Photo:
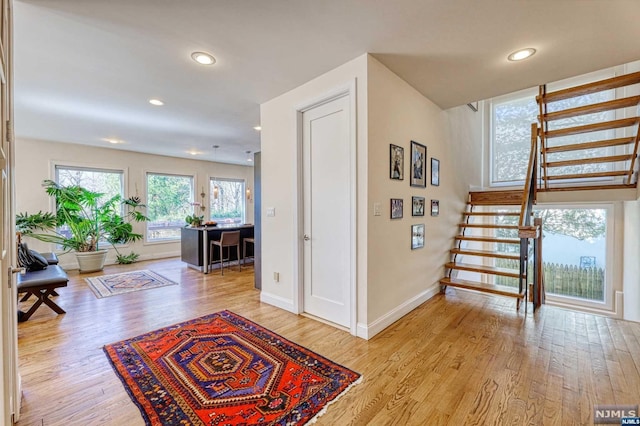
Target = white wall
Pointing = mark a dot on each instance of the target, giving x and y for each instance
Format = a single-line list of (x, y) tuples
[(35, 161), (279, 140), (392, 279), (631, 265)]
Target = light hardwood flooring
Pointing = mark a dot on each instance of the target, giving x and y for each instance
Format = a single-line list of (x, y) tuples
[(461, 358)]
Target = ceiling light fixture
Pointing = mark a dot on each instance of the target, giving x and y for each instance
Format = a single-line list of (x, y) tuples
[(113, 141), (521, 54), (258, 128), (203, 58), (156, 102)]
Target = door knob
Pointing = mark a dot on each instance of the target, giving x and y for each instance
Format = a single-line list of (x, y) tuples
[(306, 237)]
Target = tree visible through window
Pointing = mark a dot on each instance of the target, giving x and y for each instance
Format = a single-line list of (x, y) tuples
[(227, 200), (169, 201)]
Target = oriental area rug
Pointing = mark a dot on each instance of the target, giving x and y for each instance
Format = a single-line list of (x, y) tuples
[(222, 369), (111, 285)]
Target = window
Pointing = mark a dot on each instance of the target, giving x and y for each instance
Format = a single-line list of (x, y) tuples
[(574, 252), (227, 200), (169, 201), (511, 119), (108, 182)]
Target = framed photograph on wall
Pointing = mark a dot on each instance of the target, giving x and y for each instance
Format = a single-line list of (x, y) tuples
[(417, 206), (435, 207), (396, 162), (417, 236), (435, 172), (418, 165), (396, 208)]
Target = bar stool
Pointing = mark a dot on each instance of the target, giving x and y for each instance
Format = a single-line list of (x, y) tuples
[(244, 249), (227, 240)]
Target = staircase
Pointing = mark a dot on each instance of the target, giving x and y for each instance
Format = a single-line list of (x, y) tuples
[(586, 142), (488, 234), (586, 138)]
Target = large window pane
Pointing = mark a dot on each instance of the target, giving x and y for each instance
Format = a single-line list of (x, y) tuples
[(574, 252), (169, 201), (511, 119), (107, 182), (227, 200)]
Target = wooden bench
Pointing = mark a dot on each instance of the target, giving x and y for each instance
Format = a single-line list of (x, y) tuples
[(42, 284)]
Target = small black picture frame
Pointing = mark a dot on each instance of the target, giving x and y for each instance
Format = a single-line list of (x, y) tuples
[(417, 236), (435, 207), (435, 172), (396, 208), (417, 206), (418, 165), (396, 162)]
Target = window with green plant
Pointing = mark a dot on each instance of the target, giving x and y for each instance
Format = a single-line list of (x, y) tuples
[(169, 201), (227, 200)]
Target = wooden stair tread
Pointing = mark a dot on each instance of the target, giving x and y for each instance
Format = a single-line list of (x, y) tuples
[(593, 160), (590, 145), (486, 226), (483, 269), (486, 253), (489, 239), (495, 198), (492, 213), (604, 125), (478, 286), (591, 109), (589, 187), (597, 86), (588, 175)]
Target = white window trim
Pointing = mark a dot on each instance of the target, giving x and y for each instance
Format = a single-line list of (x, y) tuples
[(147, 241), (606, 306), (244, 198)]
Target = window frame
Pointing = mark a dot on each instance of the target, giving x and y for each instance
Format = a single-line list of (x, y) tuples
[(147, 173), (243, 219), (608, 304)]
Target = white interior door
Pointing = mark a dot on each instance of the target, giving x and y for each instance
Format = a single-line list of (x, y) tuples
[(326, 204), (10, 389)]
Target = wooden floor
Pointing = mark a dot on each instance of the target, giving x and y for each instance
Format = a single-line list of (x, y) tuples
[(461, 358)]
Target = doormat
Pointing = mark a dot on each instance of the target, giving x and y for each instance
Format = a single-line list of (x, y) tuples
[(222, 369), (126, 282)]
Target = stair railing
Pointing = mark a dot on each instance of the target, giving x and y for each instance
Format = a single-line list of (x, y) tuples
[(527, 230)]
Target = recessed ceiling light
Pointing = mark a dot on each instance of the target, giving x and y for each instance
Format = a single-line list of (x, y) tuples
[(203, 58), (156, 102), (113, 141), (258, 128), (521, 54)]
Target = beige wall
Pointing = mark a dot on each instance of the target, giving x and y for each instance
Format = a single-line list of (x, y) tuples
[(392, 279), (399, 279), (35, 161)]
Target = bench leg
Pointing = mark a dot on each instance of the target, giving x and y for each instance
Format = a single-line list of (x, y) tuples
[(43, 297)]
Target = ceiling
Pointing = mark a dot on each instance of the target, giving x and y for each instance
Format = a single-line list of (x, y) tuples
[(85, 69)]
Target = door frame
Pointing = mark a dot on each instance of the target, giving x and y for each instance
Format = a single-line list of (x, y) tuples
[(349, 90)]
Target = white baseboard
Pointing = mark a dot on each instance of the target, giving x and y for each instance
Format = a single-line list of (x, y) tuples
[(70, 264), (367, 331), (277, 301)]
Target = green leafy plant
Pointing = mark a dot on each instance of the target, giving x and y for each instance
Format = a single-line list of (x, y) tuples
[(82, 221), (125, 259), (194, 220)]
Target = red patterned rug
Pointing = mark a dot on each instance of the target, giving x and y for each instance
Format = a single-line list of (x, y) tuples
[(223, 369)]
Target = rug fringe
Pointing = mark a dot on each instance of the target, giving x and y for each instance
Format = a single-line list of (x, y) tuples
[(324, 409)]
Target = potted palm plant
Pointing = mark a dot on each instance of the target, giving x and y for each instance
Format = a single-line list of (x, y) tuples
[(83, 222)]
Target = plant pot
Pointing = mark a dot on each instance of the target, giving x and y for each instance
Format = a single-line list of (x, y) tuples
[(91, 261)]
